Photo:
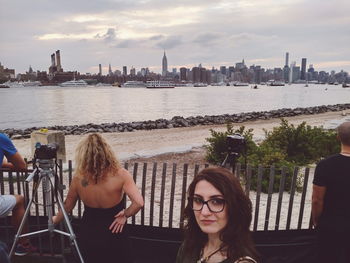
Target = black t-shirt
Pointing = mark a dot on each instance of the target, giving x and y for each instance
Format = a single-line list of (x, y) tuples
[(334, 174)]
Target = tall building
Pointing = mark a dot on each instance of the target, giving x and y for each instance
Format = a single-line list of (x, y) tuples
[(303, 69), (110, 72), (100, 69), (58, 60), (287, 59), (164, 65), (183, 73), (125, 71)]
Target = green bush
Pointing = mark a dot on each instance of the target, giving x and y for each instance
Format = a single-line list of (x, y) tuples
[(285, 146)]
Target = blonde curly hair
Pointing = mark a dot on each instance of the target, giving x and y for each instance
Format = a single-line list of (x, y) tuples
[(95, 158)]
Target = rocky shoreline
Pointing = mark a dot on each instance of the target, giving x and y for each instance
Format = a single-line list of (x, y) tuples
[(179, 121)]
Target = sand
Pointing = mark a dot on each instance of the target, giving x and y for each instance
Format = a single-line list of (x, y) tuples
[(185, 145)]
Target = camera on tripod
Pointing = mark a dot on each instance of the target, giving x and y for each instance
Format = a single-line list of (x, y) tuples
[(235, 143), (45, 151)]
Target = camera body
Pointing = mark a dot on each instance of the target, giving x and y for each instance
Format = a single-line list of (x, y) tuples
[(45, 151), (235, 143)]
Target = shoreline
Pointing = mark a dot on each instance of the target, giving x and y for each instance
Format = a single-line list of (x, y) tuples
[(143, 144), (179, 121)]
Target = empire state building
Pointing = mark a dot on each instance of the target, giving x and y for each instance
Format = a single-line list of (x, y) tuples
[(164, 65)]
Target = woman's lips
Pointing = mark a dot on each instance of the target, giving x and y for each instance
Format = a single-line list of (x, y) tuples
[(207, 222)]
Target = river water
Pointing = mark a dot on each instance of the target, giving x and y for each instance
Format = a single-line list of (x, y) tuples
[(46, 106)]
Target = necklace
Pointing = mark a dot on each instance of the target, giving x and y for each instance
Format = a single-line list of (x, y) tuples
[(205, 259)]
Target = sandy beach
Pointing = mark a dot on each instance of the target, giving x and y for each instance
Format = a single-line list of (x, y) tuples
[(146, 144), (185, 145)]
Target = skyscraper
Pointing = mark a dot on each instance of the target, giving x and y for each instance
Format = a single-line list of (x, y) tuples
[(110, 72), (125, 71), (287, 59), (303, 69), (100, 69), (164, 65)]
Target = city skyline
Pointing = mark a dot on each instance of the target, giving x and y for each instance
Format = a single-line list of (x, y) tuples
[(136, 33)]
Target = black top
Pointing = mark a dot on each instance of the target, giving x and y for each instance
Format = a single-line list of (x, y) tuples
[(97, 242), (334, 174)]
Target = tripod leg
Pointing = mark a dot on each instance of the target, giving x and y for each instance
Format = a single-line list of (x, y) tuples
[(47, 186), (68, 224), (24, 219)]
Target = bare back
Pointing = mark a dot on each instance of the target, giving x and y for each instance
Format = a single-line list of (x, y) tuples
[(106, 193)]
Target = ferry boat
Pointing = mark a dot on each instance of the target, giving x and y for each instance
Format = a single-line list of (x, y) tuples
[(200, 84), (156, 84), (134, 84), (31, 83), (74, 83), (276, 83), (346, 85), (240, 84)]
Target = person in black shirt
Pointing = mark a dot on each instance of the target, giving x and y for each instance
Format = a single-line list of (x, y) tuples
[(331, 202)]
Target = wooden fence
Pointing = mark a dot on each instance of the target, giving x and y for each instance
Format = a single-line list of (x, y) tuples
[(281, 198), (164, 187)]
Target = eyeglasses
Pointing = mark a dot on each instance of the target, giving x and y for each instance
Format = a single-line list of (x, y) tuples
[(215, 205)]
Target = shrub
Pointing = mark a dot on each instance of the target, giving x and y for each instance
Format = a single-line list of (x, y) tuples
[(285, 146)]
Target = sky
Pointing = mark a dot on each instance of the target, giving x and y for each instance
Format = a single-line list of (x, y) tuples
[(136, 33)]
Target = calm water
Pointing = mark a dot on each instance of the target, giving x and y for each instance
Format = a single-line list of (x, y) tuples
[(46, 106)]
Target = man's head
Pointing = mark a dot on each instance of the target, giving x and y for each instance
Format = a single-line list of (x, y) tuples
[(344, 133)]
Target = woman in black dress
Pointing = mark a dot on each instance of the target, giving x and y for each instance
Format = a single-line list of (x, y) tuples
[(100, 182)]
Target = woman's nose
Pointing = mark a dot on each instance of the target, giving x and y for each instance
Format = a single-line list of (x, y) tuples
[(205, 210)]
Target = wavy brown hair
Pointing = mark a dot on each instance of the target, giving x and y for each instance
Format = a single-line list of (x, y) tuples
[(236, 235), (95, 158)]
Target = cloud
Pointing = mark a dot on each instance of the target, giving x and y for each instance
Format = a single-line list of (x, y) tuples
[(169, 42), (208, 39), (109, 36)]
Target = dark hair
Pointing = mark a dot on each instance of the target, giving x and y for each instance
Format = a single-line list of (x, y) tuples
[(236, 234)]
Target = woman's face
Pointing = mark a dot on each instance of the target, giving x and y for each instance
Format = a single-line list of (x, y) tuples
[(209, 222)]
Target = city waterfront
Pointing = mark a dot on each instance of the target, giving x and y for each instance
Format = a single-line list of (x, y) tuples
[(48, 106)]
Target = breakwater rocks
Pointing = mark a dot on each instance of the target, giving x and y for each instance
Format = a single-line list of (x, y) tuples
[(178, 121)]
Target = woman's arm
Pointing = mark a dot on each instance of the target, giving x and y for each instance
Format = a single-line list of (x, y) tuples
[(136, 198), (69, 203)]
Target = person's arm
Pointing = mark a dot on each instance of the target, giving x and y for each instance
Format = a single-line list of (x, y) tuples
[(136, 199), (69, 203), (15, 162), (318, 193)]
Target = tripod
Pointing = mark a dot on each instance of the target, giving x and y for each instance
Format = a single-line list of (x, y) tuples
[(231, 159), (45, 174)]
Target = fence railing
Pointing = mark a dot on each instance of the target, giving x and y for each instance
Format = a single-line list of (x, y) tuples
[(280, 197)]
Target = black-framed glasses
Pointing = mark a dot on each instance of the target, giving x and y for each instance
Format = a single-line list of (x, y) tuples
[(215, 205)]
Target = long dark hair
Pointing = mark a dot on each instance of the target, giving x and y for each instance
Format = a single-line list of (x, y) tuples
[(236, 235)]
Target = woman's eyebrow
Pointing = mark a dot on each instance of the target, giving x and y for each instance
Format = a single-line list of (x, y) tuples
[(210, 197)]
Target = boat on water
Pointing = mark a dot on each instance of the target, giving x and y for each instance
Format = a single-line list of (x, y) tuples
[(276, 83), (156, 84), (74, 83), (31, 83), (3, 86), (134, 84), (345, 85), (100, 84), (200, 84), (14, 84), (240, 84)]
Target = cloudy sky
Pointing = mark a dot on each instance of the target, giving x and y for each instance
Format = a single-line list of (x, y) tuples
[(136, 32)]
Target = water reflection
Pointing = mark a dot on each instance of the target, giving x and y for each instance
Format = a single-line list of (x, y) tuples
[(46, 106)]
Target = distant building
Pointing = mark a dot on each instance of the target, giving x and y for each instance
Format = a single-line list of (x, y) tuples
[(100, 69), (303, 69), (132, 71), (110, 72), (183, 74), (196, 74), (125, 71), (164, 65), (287, 59)]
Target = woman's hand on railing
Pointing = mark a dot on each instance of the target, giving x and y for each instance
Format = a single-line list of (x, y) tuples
[(119, 222)]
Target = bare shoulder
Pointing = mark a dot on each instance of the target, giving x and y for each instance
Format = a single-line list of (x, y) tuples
[(122, 172)]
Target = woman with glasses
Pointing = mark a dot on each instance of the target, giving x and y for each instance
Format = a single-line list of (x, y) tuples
[(217, 220)]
